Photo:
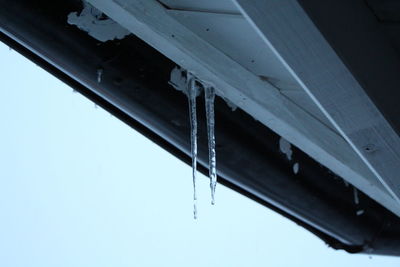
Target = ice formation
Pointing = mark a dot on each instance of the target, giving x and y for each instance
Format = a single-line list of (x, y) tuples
[(96, 24), (209, 93), (192, 95), (186, 82), (286, 148)]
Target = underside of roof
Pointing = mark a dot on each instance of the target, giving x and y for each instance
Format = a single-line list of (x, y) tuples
[(330, 92)]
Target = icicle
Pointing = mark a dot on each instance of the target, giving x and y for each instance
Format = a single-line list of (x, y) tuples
[(296, 168), (99, 75), (360, 212), (355, 193), (212, 160), (192, 94), (286, 148), (183, 80)]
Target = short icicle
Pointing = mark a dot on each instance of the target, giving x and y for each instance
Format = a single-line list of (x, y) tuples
[(212, 161), (192, 94), (355, 194), (99, 75)]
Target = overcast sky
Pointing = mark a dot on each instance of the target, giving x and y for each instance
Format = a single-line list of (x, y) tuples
[(80, 188)]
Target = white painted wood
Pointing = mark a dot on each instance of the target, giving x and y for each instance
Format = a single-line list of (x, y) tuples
[(289, 32), (152, 23), (215, 6), (235, 37)]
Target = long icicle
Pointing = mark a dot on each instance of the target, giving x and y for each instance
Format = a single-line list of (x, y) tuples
[(192, 94), (212, 161)]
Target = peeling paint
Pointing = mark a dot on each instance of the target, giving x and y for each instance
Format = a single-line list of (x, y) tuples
[(286, 148), (178, 79), (97, 24), (296, 168)]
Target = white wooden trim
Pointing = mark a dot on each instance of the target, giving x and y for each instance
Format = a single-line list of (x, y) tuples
[(290, 33), (150, 21)]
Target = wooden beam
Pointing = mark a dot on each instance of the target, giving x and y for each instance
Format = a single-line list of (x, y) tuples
[(151, 22), (289, 32)]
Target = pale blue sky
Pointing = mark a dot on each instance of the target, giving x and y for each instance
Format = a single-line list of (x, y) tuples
[(80, 188)]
